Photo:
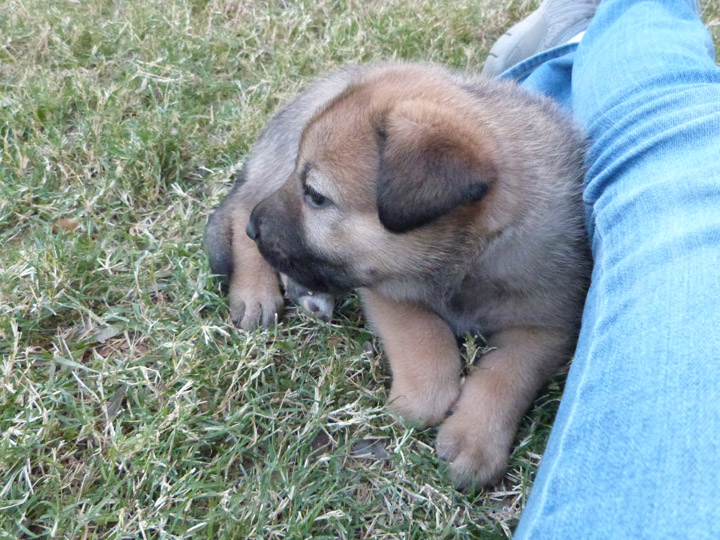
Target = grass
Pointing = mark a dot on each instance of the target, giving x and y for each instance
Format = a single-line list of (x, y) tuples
[(129, 406)]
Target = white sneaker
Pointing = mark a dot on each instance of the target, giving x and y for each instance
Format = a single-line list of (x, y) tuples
[(554, 23)]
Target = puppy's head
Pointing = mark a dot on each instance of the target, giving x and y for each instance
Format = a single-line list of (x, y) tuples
[(389, 178)]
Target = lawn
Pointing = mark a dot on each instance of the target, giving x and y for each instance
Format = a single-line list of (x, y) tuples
[(130, 407)]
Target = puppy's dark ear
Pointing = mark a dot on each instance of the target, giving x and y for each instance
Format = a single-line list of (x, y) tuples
[(432, 160)]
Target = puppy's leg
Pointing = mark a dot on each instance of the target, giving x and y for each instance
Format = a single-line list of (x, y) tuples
[(255, 297), (217, 242), (423, 355), (476, 438)]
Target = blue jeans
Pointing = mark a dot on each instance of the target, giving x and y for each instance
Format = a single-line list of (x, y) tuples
[(635, 449)]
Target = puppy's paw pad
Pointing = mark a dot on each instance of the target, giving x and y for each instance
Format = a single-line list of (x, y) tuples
[(318, 305)]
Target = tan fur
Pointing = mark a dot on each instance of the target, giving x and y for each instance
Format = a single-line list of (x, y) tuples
[(424, 358), (255, 296), (453, 203), (476, 439)]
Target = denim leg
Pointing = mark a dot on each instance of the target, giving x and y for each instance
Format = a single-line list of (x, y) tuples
[(548, 73), (635, 449)]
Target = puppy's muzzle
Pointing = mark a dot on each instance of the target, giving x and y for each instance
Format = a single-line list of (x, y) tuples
[(281, 241)]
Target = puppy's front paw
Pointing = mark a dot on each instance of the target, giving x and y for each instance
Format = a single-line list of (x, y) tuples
[(476, 444), (423, 405), (250, 308)]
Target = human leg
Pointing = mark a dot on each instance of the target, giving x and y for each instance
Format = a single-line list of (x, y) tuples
[(635, 450)]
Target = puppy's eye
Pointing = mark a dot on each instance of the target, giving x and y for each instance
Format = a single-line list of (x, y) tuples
[(315, 199)]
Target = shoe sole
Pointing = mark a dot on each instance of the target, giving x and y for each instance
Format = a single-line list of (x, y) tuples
[(518, 43)]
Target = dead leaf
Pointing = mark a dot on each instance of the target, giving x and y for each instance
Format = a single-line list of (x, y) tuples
[(322, 443), (110, 332), (112, 406), (369, 448), (65, 224)]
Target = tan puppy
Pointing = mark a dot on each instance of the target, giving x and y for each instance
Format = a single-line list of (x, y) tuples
[(453, 204)]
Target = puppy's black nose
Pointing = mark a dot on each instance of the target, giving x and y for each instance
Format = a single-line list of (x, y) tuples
[(253, 228)]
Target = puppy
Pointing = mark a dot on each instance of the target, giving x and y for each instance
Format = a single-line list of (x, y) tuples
[(254, 294), (453, 204)]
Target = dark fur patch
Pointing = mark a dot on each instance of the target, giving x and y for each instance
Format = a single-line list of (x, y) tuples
[(283, 244), (217, 242), (425, 172), (217, 239), (238, 178)]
